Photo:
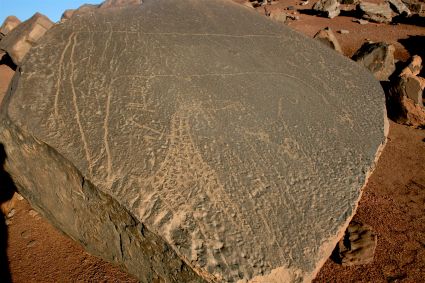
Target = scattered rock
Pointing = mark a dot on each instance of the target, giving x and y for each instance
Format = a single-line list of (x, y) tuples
[(379, 13), (8, 222), (19, 197), (399, 7), (327, 37), (402, 109), (358, 245), (33, 213), (31, 243), (377, 58), (25, 234), (414, 68), (304, 3), (8, 25), (290, 8), (328, 8), (11, 213), (361, 21), (292, 17), (344, 31), (405, 99), (20, 40), (280, 16)]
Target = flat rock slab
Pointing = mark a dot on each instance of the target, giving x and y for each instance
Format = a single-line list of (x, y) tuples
[(162, 133)]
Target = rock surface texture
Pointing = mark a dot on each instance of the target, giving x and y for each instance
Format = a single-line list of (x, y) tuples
[(19, 41), (377, 58), (176, 149)]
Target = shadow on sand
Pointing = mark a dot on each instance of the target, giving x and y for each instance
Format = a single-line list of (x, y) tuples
[(7, 189)]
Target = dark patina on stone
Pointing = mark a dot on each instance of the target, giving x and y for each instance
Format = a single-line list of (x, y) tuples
[(193, 140)]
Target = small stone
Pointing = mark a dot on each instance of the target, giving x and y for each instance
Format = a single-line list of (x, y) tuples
[(290, 8), (33, 213), (327, 8), (344, 31), (19, 197), (11, 213), (304, 3), (25, 234), (280, 17), (361, 21), (31, 243), (8, 222)]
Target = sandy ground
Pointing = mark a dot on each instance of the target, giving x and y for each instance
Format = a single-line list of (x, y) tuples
[(393, 202)]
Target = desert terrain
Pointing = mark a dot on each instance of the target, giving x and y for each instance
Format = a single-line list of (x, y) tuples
[(393, 201)]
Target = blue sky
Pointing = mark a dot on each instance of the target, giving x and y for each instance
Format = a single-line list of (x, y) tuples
[(53, 9)]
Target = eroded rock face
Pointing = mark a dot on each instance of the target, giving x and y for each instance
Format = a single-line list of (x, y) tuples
[(20, 40), (399, 7), (327, 37), (239, 166), (378, 58)]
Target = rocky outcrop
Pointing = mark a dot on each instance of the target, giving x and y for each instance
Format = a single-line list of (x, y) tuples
[(327, 37), (377, 58), (358, 245), (327, 8), (8, 25), (19, 41), (181, 156), (379, 13)]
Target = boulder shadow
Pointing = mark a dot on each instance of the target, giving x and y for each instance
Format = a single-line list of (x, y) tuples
[(6, 60), (7, 189)]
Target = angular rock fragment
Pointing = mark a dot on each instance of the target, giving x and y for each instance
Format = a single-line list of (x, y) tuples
[(180, 153), (414, 67), (327, 37), (377, 58), (8, 25), (379, 13), (358, 245), (399, 7), (20, 40), (327, 8)]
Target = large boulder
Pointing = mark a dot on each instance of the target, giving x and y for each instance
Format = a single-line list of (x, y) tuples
[(379, 13), (8, 25), (327, 37), (377, 58), (19, 41), (161, 138), (327, 8)]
